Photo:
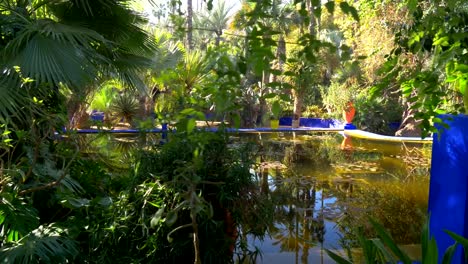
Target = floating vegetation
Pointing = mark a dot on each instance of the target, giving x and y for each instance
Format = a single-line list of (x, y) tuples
[(358, 167), (272, 165)]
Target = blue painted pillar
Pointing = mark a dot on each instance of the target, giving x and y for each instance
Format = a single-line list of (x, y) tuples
[(448, 199), (164, 138)]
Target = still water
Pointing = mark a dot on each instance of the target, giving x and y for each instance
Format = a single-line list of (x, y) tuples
[(325, 186), (322, 187)]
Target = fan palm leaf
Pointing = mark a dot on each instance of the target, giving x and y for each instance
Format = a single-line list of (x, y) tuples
[(194, 70), (69, 42), (53, 57), (46, 244), (10, 99)]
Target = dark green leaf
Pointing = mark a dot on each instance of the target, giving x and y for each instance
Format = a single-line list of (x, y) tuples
[(330, 5), (448, 255), (339, 259), (389, 242), (171, 218), (191, 124), (157, 217), (461, 240), (276, 108)]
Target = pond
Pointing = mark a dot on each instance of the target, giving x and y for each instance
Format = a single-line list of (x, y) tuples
[(322, 187), (325, 186)]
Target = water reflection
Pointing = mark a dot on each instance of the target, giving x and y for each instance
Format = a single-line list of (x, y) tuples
[(321, 187), (324, 186)]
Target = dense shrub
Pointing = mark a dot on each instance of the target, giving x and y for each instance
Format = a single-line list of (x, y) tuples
[(378, 115)]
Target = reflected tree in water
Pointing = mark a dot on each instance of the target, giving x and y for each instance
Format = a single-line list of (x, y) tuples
[(300, 173)]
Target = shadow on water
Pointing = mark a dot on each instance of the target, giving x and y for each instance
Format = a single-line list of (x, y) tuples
[(321, 186)]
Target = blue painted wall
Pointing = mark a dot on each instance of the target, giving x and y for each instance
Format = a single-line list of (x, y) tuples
[(448, 199), (312, 122)]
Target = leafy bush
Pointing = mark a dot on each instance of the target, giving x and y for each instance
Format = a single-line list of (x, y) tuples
[(336, 97), (211, 189), (377, 114), (125, 107), (314, 111), (383, 249)]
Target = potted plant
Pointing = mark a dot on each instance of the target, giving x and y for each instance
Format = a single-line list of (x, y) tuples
[(349, 111), (338, 100)]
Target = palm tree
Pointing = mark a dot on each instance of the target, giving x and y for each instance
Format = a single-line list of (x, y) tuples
[(169, 55), (214, 20), (47, 45), (189, 25)]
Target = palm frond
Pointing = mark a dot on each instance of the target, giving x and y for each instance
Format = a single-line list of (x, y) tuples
[(46, 244), (88, 6), (17, 218), (112, 19), (10, 97), (168, 54), (47, 51)]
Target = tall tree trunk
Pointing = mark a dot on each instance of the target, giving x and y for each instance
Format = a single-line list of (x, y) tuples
[(312, 23), (280, 57), (262, 118), (218, 38), (76, 110), (281, 52), (189, 25)]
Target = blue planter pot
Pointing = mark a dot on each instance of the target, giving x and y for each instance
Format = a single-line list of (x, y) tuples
[(394, 125), (97, 116), (448, 194), (285, 121)]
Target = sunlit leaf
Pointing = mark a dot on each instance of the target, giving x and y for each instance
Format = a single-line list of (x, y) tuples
[(171, 218), (157, 217), (191, 124)]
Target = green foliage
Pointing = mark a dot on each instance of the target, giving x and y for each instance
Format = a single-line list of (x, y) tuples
[(376, 114), (207, 181), (17, 218), (46, 244), (384, 249), (125, 107), (435, 40), (48, 44), (104, 97), (314, 111), (337, 96)]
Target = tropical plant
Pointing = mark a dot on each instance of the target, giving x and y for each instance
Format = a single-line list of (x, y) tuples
[(384, 250), (46, 244), (433, 39), (125, 107), (47, 44), (337, 96), (380, 115), (104, 96), (208, 183), (314, 111), (48, 49), (213, 21)]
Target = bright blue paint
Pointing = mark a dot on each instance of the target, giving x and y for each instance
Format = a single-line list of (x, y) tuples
[(97, 116), (350, 126), (285, 121), (448, 194), (312, 122)]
